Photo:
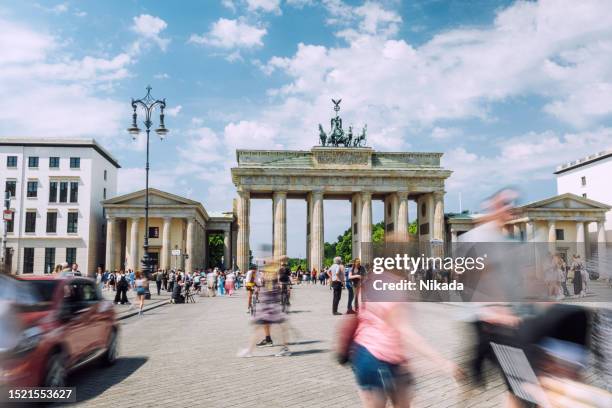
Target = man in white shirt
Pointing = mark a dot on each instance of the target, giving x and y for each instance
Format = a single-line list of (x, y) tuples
[(336, 276)]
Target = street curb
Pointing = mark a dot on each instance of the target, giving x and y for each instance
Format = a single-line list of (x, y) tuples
[(135, 312)]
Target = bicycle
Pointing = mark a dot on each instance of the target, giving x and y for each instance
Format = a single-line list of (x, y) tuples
[(254, 300)]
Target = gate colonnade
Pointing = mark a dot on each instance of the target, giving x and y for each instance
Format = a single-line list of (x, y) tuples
[(358, 174)]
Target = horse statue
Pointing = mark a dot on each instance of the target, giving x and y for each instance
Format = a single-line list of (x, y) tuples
[(322, 135), (361, 139)]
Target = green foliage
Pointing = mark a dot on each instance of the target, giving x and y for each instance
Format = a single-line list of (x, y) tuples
[(293, 264), (215, 249), (412, 228)]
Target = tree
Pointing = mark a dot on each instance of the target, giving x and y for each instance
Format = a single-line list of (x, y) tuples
[(215, 249)]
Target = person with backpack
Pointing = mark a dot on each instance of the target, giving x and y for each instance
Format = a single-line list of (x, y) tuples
[(122, 288), (336, 277)]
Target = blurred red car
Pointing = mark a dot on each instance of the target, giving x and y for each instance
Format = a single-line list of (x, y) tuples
[(50, 326)]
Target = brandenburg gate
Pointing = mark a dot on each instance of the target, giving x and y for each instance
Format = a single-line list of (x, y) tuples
[(340, 169)]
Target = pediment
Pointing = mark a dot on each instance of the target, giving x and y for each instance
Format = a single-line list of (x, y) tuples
[(567, 201), (156, 197)]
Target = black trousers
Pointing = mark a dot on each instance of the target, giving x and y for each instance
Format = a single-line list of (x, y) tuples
[(170, 286), (121, 295), (351, 295), (337, 288), (159, 285)]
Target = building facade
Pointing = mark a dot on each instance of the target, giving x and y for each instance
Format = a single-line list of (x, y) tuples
[(356, 174), (178, 232), (589, 177), (56, 188)]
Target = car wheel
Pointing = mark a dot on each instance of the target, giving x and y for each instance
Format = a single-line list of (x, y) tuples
[(112, 349), (56, 371)]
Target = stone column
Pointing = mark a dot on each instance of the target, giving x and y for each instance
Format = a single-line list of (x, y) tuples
[(242, 251), (454, 236), (356, 225), (366, 228), (438, 219), (402, 217), (165, 248), (279, 235), (308, 229), (111, 225), (516, 232), (552, 236), (189, 244), (227, 249), (317, 231), (602, 254), (580, 247), (134, 262)]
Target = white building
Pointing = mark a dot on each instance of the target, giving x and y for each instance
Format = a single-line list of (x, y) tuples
[(589, 177), (57, 186)]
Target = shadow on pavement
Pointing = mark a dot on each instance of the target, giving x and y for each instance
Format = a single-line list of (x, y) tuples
[(306, 352), (91, 382), (298, 311), (295, 343)]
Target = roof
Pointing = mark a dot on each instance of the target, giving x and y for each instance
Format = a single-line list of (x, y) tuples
[(60, 142), (119, 200), (583, 161), (582, 200)]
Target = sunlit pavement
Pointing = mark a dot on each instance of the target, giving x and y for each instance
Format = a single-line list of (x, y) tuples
[(185, 355)]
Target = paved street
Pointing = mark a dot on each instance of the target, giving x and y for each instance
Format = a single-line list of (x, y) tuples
[(184, 355)]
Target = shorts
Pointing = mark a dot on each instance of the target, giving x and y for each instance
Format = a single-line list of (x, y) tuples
[(140, 291), (374, 374)]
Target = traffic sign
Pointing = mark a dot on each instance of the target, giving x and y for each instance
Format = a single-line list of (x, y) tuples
[(176, 252), (7, 215)]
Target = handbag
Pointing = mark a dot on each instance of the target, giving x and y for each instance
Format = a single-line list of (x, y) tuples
[(344, 339)]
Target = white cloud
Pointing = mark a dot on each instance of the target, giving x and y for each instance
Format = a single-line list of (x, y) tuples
[(268, 6), (174, 111), (228, 34), (149, 29), (250, 135), (52, 93), (521, 159), (161, 75), (229, 4)]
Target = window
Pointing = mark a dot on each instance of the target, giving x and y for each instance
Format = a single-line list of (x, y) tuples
[(63, 195), (11, 187), (30, 222), (104, 193), (53, 192), (153, 232), (73, 219), (52, 222), (54, 162), (74, 191), (90, 294), (33, 161), (423, 210), (49, 259), (75, 162), (584, 195), (424, 229), (10, 225), (28, 260), (105, 175), (583, 180), (559, 234), (71, 256), (11, 161), (32, 189)]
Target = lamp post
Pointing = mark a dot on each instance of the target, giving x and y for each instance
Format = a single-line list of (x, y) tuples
[(148, 105)]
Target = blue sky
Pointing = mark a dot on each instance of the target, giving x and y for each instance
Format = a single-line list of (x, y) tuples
[(507, 90)]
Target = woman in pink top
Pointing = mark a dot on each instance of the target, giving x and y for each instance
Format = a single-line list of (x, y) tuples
[(379, 353)]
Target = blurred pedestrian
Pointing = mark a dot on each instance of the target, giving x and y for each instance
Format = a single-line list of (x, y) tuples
[(122, 288)]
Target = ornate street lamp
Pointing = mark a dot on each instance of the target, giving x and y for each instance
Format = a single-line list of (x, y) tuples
[(148, 104)]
